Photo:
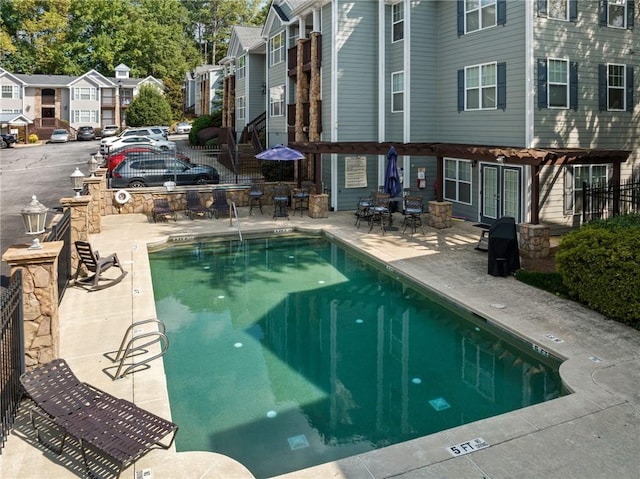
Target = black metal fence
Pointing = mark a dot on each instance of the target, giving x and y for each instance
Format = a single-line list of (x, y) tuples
[(605, 201), (61, 231), (11, 354)]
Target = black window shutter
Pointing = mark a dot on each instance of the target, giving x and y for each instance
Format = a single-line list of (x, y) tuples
[(573, 85), (460, 90), (603, 13), (502, 12), (629, 88), (542, 8), (460, 17), (573, 10), (630, 14), (502, 86), (602, 87), (542, 83)]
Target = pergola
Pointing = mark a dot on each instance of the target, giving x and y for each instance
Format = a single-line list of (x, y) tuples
[(536, 158)]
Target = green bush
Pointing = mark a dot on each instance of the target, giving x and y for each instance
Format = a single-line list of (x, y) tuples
[(551, 282), (600, 266), (33, 138)]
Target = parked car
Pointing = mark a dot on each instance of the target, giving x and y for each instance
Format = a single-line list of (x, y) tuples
[(59, 136), (140, 172), (86, 133), (7, 140), (138, 151), (119, 142), (183, 127), (154, 132), (109, 130)]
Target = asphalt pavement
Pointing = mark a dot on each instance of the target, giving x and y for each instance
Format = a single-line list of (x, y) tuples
[(42, 170)]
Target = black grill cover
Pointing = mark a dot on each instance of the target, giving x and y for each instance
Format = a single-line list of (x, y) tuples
[(504, 256)]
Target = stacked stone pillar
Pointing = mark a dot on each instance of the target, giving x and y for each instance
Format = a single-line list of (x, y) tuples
[(440, 214), (40, 299), (534, 241), (318, 206), (79, 223)]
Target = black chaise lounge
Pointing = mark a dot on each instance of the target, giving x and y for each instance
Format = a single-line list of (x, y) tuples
[(115, 430), (195, 206), (96, 265)]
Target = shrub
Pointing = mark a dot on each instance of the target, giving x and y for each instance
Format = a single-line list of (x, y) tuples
[(33, 138), (551, 282), (600, 265)]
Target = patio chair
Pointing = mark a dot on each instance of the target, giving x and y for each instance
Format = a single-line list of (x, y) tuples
[(195, 206), (300, 197), (281, 201), (363, 210), (380, 214), (220, 204), (256, 193), (97, 265), (413, 214), (162, 210), (114, 429)]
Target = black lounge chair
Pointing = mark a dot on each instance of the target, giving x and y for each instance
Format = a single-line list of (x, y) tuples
[(113, 428), (162, 210), (195, 206), (220, 203), (96, 265)]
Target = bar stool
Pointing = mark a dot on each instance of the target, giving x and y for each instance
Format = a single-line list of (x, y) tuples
[(256, 192), (300, 199), (413, 214), (281, 202), (380, 211), (363, 210)]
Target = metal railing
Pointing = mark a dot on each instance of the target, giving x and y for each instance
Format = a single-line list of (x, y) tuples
[(12, 363), (605, 201), (61, 231)]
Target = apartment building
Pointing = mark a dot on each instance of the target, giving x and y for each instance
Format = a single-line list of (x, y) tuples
[(44, 102), (502, 107)]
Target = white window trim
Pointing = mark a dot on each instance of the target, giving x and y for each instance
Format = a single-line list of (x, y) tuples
[(566, 84), (240, 70), (397, 92), (15, 92), (611, 4), (574, 190), (278, 101), (457, 181), (481, 87), (623, 88), (397, 8), (279, 51), (240, 108), (479, 10)]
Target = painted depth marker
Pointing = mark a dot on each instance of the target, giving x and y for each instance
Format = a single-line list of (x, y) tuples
[(467, 447)]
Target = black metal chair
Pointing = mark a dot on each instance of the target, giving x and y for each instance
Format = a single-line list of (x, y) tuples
[(380, 214), (256, 193), (413, 210), (220, 205), (195, 206), (281, 202), (363, 210), (300, 198)]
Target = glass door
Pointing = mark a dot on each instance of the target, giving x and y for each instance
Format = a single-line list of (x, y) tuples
[(501, 193)]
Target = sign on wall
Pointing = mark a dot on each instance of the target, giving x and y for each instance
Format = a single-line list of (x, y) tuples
[(355, 172)]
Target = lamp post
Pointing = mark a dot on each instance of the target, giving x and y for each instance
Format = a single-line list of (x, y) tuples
[(93, 166), (76, 181), (34, 216), (119, 103)]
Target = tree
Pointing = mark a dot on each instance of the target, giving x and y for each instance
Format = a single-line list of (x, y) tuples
[(149, 108)]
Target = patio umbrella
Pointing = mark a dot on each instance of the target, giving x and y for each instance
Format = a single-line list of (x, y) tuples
[(391, 177), (280, 153)]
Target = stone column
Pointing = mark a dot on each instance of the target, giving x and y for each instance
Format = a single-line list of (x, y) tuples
[(79, 224), (440, 213), (93, 185), (534, 241), (318, 206), (40, 299)]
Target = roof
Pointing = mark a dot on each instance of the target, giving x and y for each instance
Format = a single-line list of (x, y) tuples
[(510, 154), (14, 119)]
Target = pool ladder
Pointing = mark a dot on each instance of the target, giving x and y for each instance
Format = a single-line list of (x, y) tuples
[(137, 348)]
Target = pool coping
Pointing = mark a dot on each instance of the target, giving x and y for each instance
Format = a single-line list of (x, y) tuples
[(602, 358)]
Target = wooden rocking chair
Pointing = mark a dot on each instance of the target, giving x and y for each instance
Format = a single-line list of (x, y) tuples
[(96, 265)]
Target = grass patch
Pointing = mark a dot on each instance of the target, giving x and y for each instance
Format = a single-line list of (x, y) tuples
[(551, 282)]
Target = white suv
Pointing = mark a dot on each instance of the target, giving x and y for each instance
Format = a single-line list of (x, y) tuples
[(154, 132)]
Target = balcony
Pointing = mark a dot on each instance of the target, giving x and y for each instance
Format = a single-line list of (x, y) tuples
[(292, 57)]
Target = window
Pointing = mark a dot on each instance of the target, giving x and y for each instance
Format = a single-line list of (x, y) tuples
[(240, 108), (10, 91), (276, 48), (479, 14), (240, 69), (397, 22), (85, 116), (575, 177), (84, 93), (615, 87), (558, 9), (480, 87), (557, 83), (397, 91), (457, 180), (276, 100), (617, 13)]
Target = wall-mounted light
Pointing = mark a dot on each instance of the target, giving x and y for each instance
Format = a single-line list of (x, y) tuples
[(264, 88), (474, 163), (501, 159)]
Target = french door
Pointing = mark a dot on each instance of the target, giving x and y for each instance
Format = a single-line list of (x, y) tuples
[(501, 193)]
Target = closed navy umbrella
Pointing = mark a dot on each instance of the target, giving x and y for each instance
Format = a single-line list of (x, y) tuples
[(391, 177)]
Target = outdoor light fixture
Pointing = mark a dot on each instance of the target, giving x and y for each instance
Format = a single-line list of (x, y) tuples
[(34, 216), (93, 166), (76, 181), (500, 159), (264, 87)]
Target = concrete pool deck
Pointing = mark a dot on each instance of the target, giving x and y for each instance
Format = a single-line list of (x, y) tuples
[(592, 433)]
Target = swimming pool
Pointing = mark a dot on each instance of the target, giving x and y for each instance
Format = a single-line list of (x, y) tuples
[(288, 352)]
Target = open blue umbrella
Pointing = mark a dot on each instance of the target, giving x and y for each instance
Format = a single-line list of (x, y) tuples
[(391, 177), (280, 153)]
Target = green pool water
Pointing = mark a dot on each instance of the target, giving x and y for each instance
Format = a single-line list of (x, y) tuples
[(290, 352)]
